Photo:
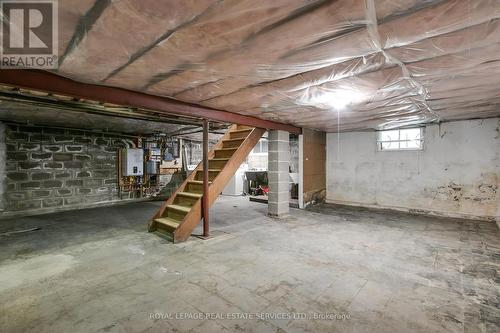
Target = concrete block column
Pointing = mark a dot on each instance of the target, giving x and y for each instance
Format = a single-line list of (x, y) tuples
[(278, 176)]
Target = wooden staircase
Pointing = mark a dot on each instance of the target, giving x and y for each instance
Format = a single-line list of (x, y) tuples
[(182, 212)]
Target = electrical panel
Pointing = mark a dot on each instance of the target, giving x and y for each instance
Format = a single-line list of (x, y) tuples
[(154, 154), (132, 162)]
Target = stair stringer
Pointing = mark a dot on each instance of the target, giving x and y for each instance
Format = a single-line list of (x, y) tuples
[(192, 219), (192, 175)]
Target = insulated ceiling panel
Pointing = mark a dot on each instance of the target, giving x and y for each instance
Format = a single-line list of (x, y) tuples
[(324, 64)]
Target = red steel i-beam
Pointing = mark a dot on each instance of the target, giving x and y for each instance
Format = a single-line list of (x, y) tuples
[(52, 83)]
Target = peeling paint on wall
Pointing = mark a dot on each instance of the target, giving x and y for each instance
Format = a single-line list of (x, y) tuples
[(483, 191), (457, 174)]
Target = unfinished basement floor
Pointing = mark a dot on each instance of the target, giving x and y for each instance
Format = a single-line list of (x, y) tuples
[(97, 270)]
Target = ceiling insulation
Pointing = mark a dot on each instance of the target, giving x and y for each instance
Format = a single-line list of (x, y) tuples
[(330, 65)]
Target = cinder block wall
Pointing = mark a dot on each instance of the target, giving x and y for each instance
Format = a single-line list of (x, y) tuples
[(48, 169), (2, 165)]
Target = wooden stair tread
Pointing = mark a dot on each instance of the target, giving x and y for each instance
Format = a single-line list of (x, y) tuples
[(237, 139), (190, 195), (167, 235), (220, 159), (200, 182), (179, 208), (168, 222), (225, 152), (242, 130), (211, 170)]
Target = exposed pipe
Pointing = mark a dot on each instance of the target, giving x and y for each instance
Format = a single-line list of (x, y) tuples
[(84, 130)]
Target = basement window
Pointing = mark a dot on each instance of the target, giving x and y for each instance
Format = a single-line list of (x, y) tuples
[(401, 139), (260, 147)]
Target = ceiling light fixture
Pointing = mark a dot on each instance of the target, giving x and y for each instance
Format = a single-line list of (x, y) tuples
[(341, 99), (336, 99)]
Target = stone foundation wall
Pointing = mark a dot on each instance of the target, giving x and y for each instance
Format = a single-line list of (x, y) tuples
[(48, 169), (2, 165)]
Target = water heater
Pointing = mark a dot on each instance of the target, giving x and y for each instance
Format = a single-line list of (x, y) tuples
[(132, 162)]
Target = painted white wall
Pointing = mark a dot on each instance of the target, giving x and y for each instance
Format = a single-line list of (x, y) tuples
[(457, 174), (257, 161)]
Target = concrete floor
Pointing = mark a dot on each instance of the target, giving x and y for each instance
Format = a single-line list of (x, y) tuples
[(97, 270)]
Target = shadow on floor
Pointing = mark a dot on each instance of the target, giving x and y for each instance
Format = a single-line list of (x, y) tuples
[(58, 230), (69, 228)]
